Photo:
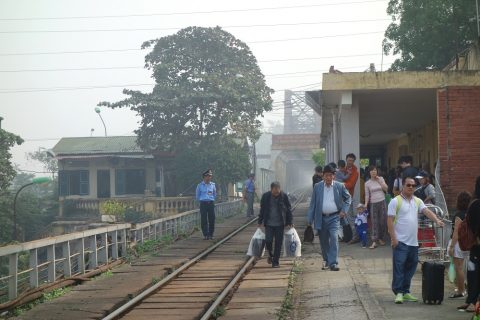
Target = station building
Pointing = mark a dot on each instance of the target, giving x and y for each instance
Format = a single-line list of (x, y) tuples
[(434, 116)]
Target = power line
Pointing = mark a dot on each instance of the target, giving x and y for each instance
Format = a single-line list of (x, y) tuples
[(24, 90), (71, 69), (67, 52), (191, 12), (177, 28), (318, 37), (33, 171), (255, 42), (140, 67), (319, 58)]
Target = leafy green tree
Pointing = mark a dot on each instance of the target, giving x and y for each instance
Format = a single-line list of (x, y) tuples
[(226, 157), (7, 171), (36, 206), (208, 91), (49, 164), (428, 33), (207, 85), (319, 157)]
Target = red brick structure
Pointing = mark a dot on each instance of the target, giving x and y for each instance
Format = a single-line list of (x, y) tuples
[(458, 115)]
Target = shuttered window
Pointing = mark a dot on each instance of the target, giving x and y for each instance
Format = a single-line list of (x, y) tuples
[(74, 182)]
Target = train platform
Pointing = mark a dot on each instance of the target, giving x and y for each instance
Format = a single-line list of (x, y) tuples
[(297, 290), (361, 289)]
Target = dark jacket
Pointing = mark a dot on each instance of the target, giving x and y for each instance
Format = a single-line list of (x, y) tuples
[(286, 208), (316, 179)]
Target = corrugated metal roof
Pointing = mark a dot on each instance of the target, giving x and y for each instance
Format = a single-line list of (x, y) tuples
[(97, 145)]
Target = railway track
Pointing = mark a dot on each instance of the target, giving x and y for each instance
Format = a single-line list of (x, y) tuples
[(196, 289)]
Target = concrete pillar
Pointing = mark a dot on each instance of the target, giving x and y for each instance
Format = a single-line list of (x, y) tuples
[(350, 137), (335, 137)]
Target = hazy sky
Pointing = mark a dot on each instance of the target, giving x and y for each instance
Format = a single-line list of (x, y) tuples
[(42, 103)]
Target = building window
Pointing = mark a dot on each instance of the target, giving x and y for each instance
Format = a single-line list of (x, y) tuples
[(73, 182), (129, 181)]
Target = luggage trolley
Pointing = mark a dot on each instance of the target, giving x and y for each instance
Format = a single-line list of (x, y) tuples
[(432, 239)]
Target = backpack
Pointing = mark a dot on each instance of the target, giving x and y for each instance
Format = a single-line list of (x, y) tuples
[(399, 204), (420, 193), (466, 238)]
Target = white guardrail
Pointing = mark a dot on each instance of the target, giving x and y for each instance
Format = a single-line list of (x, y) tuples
[(28, 265)]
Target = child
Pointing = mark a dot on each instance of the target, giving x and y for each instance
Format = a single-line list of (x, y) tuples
[(341, 174), (361, 224)]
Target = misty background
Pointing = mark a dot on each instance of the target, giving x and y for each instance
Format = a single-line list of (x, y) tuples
[(59, 58)]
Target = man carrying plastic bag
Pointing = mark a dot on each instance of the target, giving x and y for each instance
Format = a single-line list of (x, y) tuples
[(292, 244), (275, 215)]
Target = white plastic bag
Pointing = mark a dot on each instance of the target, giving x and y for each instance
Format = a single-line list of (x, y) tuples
[(291, 244), (257, 244)]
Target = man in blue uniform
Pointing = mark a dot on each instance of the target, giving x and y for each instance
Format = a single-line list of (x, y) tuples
[(206, 194), (249, 194)]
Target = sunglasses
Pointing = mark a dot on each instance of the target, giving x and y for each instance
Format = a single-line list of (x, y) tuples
[(408, 185)]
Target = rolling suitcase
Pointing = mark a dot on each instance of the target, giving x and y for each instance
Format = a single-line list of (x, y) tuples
[(433, 274)]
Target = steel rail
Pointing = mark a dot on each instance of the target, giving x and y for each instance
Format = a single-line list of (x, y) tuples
[(227, 289), (240, 273), (137, 299), (118, 312)]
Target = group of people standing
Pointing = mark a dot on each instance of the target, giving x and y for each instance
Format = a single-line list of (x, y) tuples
[(468, 211), (331, 204), (331, 207)]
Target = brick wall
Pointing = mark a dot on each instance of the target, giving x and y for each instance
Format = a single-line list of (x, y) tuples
[(458, 114)]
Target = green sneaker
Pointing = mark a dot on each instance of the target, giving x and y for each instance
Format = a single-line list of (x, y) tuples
[(409, 297), (399, 298)]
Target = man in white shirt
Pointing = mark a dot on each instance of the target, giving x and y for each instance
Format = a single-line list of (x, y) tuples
[(402, 224), (330, 202)]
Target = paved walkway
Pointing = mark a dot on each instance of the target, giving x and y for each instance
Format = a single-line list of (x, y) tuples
[(361, 289)]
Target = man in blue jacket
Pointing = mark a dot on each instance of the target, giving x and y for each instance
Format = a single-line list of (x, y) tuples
[(330, 203), (206, 194)]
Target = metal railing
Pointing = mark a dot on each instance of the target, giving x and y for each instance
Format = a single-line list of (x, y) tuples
[(138, 204), (32, 264)]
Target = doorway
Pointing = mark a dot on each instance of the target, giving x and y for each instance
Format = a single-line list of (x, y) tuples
[(103, 183)]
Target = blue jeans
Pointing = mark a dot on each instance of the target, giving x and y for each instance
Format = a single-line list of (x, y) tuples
[(329, 238), (362, 233), (405, 260)]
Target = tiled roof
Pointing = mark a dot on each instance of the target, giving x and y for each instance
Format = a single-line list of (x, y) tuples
[(97, 145)]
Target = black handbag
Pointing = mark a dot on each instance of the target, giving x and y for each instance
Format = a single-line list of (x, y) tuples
[(308, 235)]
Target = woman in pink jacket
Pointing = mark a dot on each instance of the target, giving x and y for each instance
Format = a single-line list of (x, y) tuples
[(375, 189)]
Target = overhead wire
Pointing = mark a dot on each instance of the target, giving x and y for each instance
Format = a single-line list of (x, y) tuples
[(177, 28), (141, 67), (192, 12)]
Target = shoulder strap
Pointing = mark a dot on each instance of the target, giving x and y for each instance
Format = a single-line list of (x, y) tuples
[(417, 201), (399, 204), (397, 208)]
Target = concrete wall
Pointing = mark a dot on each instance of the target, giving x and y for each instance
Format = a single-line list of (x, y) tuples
[(458, 139), (421, 144), (399, 80)]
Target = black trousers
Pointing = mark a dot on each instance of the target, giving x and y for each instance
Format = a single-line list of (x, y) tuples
[(274, 234), (207, 218)]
